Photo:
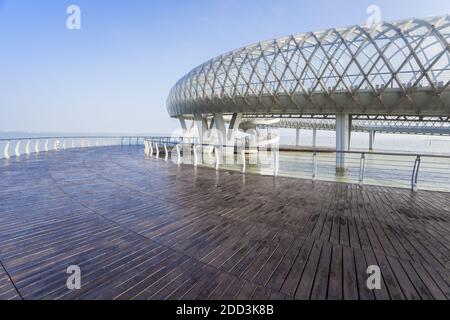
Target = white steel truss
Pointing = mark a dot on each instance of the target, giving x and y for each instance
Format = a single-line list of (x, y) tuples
[(398, 68)]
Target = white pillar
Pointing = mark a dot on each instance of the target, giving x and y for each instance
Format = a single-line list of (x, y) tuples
[(46, 145), (150, 144), (314, 137), (371, 139), (157, 149), (166, 153), (17, 151), (6, 150), (182, 123), (27, 147), (219, 123), (342, 141), (202, 128), (36, 146), (146, 148), (297, 137), (234, 126)]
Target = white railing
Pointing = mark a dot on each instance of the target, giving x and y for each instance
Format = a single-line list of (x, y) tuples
[(427, 171), (16, 147)]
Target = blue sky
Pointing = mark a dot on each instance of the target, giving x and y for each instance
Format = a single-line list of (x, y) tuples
[(114, 74)]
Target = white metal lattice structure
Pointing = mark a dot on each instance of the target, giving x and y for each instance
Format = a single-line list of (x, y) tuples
[(398, 68), (388, 126)]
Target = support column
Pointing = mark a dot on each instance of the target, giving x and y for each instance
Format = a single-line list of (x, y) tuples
[(219, 123), (202, 128), (371, 139), (342, 141), (234, 126), (221, 135), (182, 123), (297, 137), (314, 137)]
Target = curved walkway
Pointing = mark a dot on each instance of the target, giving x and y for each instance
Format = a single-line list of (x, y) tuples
[(146, 229)]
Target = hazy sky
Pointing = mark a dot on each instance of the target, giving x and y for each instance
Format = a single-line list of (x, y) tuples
[(114, 74)]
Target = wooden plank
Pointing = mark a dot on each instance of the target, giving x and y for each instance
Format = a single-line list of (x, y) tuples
[(146, 229)]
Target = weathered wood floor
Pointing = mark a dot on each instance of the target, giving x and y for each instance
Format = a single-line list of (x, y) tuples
[(146, 229)]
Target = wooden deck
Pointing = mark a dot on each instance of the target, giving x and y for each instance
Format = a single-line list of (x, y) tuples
[(146, 229)]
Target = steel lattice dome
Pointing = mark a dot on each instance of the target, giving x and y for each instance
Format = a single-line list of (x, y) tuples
[(398, 68)]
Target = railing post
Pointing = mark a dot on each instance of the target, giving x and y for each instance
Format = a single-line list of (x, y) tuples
[(129, 141), (17, 150), (195, 156), (415, 174), (146, 148), (27, 147), (137, 141), (36, 146), (275, 162), (55, 144), (217, 156), (157, 149), (362, 169), (166, 153), (178, 154), (243, 161), (121, 142), (150, 144), (314, 174), (6, 150), (46, 145)]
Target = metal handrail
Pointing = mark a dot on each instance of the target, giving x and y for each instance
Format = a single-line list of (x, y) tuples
[(84, 142), (179, 142)]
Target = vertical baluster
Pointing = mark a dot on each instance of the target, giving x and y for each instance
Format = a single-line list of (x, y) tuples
[(314, 175), (146, 148), (55, 144), (195, 156), (415, 175), (27, 147), (178, 154), (217, 156), (157, 149), (36, 146), (17, 151), (46, 145), (362, 168), (275, 162), (6, 150), (166, 153), (151, 148), (243, 161)]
